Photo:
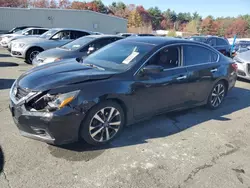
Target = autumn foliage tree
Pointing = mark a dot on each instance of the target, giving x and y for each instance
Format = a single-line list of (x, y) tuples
[(146, 20)]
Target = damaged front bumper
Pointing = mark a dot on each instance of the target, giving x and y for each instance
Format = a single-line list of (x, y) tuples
[(60, 127)]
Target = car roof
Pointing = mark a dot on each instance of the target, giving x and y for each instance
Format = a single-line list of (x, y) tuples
[(103, 36), (207, 37), (37, 28), (73, 29), (160, 40)]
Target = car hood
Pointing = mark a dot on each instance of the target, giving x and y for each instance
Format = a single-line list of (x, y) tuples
[(11, 35), (245, 56), (54, 75), (32, 40), (55, 53)]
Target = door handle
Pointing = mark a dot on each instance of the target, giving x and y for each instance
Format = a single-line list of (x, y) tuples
[(181, 77), (214, 70)]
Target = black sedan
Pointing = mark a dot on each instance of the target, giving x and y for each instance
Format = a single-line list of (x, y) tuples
[(122, 83)]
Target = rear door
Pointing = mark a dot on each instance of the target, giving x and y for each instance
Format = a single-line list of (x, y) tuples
[(203, 68)]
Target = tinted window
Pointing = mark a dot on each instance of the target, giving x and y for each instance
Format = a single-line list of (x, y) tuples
[(220, 42), (211, 42), (40, 31), (168, 57), (102, 42), (78, 34), (194, 55)]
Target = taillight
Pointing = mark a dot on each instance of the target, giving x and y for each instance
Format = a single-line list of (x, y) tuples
[(235, 66)]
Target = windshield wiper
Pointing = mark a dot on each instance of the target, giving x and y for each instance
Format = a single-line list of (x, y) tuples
[(93, 66)]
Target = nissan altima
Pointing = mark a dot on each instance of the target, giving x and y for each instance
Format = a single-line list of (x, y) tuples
[(122, 83)]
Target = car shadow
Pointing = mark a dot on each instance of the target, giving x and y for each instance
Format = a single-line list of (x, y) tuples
[(6, 83), (158, 127), (8, 64), (5, 55), (1, 160)]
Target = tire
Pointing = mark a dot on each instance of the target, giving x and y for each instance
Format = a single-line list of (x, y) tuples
[(217, 95), (31, 54), (94, 130)]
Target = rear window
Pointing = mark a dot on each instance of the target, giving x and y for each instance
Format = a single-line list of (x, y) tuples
[(221, 42)]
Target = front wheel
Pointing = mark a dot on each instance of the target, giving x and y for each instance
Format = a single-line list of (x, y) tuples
[(103, 123), (31, 54), (217, 95)]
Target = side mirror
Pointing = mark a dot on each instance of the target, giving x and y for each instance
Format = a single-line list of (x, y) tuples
[(152, 69), (91, 49), (248, 47), (79, 59), (26, 33)]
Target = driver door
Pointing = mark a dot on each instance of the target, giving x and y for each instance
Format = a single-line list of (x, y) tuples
[(163, 91)]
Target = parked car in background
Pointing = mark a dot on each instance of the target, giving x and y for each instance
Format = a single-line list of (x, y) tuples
[(15, 29), (126, 34), (243, 62), (75, 49), (97, 33), (240, 46), (28, 32), (124, 82), (29, 48), (219, 43)]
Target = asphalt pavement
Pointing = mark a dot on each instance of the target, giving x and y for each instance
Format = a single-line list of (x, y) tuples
[(193, 148)]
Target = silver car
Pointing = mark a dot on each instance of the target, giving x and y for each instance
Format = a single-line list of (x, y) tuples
[(29, 48), (28, 32), (78, 48), (243, 62)]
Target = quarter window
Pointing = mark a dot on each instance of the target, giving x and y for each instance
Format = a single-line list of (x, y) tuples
[(194, 55), (168, 58), (221, 42)]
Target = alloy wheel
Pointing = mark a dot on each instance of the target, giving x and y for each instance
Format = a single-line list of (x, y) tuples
[(33, 55), (217, 95), (105, 124)]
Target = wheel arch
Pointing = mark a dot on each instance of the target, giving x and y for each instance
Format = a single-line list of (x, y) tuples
[(33, 47)]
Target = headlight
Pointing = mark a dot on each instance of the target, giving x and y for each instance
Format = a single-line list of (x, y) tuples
[(50, 60), (20, 45), (55, 102)]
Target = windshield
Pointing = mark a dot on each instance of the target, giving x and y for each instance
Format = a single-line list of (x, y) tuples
[(20, 31), (199, 39), (49, 33), (23, 31), (119, 56), (76, 44)]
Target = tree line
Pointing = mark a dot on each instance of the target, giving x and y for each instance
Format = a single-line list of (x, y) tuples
[(146, 20)]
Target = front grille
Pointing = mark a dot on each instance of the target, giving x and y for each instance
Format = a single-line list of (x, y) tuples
[(16, 53), (21, 92), (39, 60), (248, 68), (241, 73)]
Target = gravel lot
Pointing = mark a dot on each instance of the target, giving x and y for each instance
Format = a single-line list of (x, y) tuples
[(193, 148)]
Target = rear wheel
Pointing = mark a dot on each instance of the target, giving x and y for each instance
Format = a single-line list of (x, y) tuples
[(217, 95), (31, 54), (103, 123)]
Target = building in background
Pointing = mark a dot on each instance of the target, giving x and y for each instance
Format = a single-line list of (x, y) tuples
[(64, 18)]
